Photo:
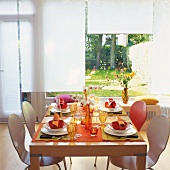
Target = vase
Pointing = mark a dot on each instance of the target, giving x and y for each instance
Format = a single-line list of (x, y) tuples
[(88, 120), (125, 96)]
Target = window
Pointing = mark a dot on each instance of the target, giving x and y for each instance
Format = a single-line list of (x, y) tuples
[(112, 17), (16, 26), (51, 38)]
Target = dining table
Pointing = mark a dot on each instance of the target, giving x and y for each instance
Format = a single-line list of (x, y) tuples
[(103, 144)]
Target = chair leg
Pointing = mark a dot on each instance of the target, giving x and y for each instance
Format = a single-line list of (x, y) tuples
[(95, 161), (70, 161), (27, 168), (58, 166), (65, 165), (107, 166)]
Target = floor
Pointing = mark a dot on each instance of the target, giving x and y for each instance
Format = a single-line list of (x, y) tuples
[(9, 159)]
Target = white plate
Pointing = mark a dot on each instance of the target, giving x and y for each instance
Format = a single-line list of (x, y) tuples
[(129, 126), (109, 131), (60, 110), (116, 109), (46, 125), (61, 132)]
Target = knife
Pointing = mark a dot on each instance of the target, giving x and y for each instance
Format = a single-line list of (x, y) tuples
[(130, 136), (51, 137)]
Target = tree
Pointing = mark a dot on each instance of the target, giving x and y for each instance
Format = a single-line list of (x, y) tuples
[(134, 39), (113, 49), (91, 50), (99, 50)]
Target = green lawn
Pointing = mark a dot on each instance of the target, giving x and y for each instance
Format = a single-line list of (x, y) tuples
[(99, 80)]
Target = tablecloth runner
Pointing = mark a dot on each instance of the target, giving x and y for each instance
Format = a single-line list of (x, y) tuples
[(101, 136)]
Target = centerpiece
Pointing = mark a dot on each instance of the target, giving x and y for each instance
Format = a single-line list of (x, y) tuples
[(124, 79)]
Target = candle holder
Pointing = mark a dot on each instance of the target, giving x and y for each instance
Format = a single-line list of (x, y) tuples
[(94, 130)]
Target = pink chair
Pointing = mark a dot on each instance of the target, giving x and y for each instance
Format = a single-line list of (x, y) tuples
[(138, 114), (17, 133), (158, 134)]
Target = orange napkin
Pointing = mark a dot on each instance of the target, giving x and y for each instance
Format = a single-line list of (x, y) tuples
[(119, 124), (56, 119), (62, 104), (120, 121), (56, 123), (110, 103)]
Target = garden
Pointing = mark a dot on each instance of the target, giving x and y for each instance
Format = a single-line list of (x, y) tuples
[(109, 62)]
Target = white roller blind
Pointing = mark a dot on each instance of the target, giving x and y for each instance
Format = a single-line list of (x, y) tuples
[(28, 66), (31, 53), (64, 45), (9, 76), (160, 77), (9, 7), (120, 16), (10, 84)]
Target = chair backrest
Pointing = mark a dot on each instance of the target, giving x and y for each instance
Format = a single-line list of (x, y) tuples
[(138, 114), (17, 133), (29, 116), (157, 134)]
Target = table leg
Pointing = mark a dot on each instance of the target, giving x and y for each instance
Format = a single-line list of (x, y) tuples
[(34, 162), (141, 162)]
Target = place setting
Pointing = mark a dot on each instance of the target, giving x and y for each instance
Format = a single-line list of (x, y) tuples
[(54, 129), (111, 106), (57, 129), (120, 130), (61, 107)]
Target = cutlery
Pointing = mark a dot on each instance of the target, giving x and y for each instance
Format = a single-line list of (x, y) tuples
[(51, 137), (130, 136)]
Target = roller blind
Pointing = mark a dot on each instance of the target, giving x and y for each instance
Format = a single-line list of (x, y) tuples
[(160, 69), (64, 45), (13, 16), (120, 16), (9, 64)]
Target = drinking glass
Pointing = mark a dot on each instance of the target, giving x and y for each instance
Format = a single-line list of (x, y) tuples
[(96, 112), (102, 117), (77, 120), (73, 108), (71, 129)]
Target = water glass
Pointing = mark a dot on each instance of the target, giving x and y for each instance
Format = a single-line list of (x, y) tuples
[(71, 129), (73, 108), (102, 117)]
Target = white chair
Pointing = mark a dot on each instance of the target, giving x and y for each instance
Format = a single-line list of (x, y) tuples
[(30, 118), (158, 134), (17, 133)]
